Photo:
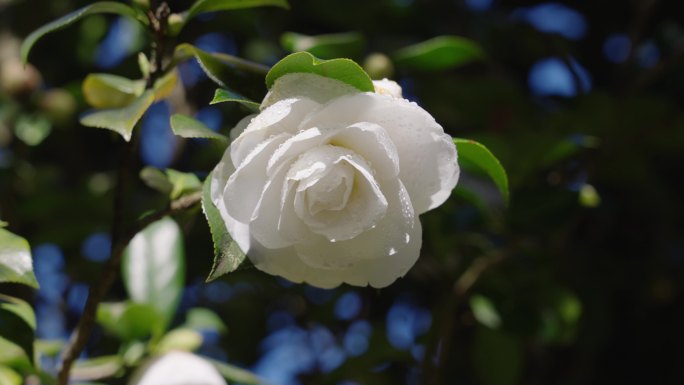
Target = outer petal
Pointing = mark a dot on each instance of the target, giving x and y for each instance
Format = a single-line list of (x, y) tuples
[(311, 86), (239, 231), (428, 159), (177, 368)]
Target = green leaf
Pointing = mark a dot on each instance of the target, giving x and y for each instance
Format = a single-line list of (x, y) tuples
[(3, 224), (16, 264), (183, 183), (475, 153), (203, 6), (328, 46), (438, 53), (65, 21), (187, 127), (344, 70), (227, 253), (484, 311), (96, 368), (165, 85), (222, 95), (220, 68), (204, 319), (9, 376), (156, 179), (17, 323), (588, 196), (123, 120), (130, 321), (153, 267), (111, 91), (236, 374), (179, 339)]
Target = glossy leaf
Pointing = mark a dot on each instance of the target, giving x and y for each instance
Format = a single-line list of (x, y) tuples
[(203, 6), (111, 91), (16, 264), (153, 267), (222, 95), (17, 323), (187, 127), (236, 374), (67, 20), (327, 46), (219, 67), (183, 183), (227, 253), (477, 154), (344, 70), (438, 53), (121, 120), (179, 339)]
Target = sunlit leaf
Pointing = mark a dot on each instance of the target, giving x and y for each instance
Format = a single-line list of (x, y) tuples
[(130, 321), (122, 120), (153, 267), (219, 67), (588, 196), (111, 91), (484, 311), (183, 183), (17, 323), (165, 85), (187, 127), (16, 264), (96, 368), (327, 46), (477, 154), (65, 21), (438, 53), (179, 339), (344, 70), (227, 254), (222, 95), (9, 376), (203, 6), (236, 374)]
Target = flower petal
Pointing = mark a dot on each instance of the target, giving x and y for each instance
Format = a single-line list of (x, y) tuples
[(427, 156)]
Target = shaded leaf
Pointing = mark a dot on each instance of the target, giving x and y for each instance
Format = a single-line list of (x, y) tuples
[(130, 321), (477, 154), (227, 253), (497, 357), (235, 373), (438, 53), (123, 120), (153, 267), (222, 95), (349, 44), (111, 91), (187, 127), (65, 21), (156, 179), (183, 183), (17, 323), (203, 6), (16, 264), (344, 70), (204, 319)]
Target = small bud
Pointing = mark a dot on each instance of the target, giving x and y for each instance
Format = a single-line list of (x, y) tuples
[(175, 23), (378, 66)]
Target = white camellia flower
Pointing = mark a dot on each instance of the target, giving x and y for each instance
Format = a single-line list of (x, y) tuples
[(177, 368), (326, 183)]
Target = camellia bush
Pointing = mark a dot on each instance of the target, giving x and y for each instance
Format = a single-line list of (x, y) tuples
[(322, 182)]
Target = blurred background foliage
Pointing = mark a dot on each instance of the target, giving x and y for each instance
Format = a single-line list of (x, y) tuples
[(578, 281)]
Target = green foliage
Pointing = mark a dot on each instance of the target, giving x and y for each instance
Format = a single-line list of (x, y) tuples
[(327, 46), (344, 70), (153, 267), (179, 339), (131, 321), (236, 374), (65, 21), (16, 264), (203, 6), (98, 368), (204, 319), (219, 67), (222, 95), (472, 153), (171, 182), (485, 312), (120, 120), (187, 127), (227, 254), (9, 376), (438, 53), (17, 323), (111, 91)]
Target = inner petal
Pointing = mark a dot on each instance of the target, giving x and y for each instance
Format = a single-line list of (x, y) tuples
[(336, 195)]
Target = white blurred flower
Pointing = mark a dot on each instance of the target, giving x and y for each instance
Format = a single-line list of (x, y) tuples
[(326, 183), (177, 368)]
